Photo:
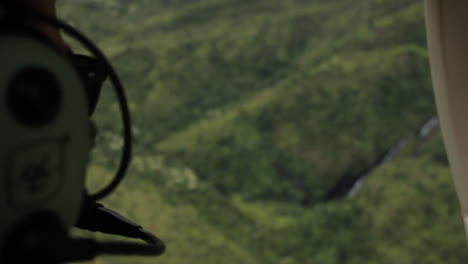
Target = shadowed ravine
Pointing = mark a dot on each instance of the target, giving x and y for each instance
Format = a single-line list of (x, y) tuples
[(349, 185)]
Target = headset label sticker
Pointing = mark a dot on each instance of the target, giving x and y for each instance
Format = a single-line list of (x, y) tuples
[(35, 174)]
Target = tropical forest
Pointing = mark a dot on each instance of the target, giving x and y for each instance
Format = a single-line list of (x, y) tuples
[(274, 131)]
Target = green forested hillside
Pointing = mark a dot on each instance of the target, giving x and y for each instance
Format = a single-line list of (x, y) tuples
[(247, 113)]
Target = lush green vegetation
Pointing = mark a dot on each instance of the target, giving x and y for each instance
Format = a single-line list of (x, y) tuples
[(246, 113)]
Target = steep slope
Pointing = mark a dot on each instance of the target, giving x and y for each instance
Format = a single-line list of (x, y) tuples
[(246, 113), (188, 236), (338, 106), (406, 212)]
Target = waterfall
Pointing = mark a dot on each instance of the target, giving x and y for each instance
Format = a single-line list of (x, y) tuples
[(349, 186)]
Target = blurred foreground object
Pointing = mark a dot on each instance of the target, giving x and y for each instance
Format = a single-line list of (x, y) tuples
[(446, 26), (47, 99)]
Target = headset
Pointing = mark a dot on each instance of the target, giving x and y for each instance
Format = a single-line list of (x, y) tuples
[(47, 99)]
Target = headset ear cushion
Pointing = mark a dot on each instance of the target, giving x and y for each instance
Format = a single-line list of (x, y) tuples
[(93, 73), (36, 238)]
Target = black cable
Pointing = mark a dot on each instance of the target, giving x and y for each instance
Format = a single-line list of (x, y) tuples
[(118, 88), (88, 249), (126, 248), (95, 217)]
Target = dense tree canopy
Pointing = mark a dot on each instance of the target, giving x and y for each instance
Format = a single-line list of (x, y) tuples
[(248, 112)]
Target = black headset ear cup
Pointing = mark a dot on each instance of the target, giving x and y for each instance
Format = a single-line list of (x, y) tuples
[(36, 239)]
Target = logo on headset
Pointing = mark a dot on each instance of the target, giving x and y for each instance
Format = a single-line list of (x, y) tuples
[(35, 173)]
